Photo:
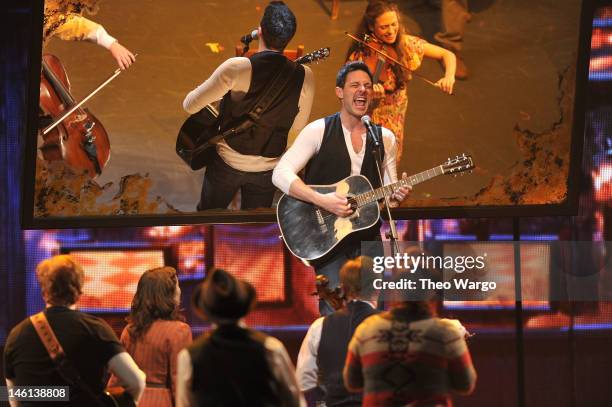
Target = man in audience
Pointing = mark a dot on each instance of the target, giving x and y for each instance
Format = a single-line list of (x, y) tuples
[(409, 356), (323, 351), (89, 344), (233, 365)]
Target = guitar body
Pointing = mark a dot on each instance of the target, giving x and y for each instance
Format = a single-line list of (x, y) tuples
[(192, 141), (311, 232), (116, 398)]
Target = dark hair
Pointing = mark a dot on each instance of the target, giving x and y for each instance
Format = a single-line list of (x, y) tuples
[(154, 299), (350, 67), (278, 25), (223, 298), (61, 280), (374, 10)]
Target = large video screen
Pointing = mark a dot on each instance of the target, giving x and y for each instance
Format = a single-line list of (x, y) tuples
[(518, 116)]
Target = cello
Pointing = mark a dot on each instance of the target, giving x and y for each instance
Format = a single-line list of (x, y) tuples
[(76, 136)]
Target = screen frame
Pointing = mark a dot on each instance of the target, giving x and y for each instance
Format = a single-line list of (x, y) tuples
[(567, 208)]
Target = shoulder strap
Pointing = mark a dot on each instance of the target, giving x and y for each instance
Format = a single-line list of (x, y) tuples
[(273, 91), (58, 356), (260, 106), (47, 336)]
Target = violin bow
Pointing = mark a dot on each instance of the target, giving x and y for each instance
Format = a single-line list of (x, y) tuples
[(85, 99), (390, 58)]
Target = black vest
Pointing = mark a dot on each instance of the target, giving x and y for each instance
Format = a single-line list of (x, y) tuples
[(336, 333), (230, 369), (268, 138), (333, 163)]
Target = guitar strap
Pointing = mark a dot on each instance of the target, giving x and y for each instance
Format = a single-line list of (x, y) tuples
[(65, 369), (273, 91), (261, 104)]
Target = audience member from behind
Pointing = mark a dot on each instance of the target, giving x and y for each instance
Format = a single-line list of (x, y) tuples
[(155, 334), (409, 356), (323, 351), (90, 345), (232, 365)]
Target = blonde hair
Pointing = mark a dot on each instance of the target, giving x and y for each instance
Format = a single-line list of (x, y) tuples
[(61, 280)]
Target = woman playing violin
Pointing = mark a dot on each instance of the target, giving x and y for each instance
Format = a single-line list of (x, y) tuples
[(381, 25)]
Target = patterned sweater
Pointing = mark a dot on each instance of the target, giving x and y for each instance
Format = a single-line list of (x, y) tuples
[(408, 363)]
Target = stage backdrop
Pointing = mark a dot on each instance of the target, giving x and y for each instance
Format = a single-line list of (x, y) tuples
[(514, 116)]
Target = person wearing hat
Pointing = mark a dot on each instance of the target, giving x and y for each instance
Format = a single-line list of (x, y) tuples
[(233, 365)]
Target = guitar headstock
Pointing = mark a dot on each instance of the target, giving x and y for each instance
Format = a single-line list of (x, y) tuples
[(459, 164), (314, 56)]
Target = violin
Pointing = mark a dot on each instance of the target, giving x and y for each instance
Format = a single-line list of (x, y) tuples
[(79, 139), (381, 54)]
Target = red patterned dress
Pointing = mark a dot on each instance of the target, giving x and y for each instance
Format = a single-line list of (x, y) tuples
[(156, 354)]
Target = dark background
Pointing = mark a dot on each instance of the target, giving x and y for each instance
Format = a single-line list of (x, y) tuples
[(566, 359)]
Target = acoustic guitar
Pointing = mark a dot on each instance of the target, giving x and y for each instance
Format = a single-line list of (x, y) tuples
[(201, 131), (311, 232)]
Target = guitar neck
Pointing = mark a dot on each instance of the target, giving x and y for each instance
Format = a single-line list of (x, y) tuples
[(379, 193)]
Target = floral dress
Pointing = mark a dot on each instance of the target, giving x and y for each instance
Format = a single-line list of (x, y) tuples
[(390, 111)]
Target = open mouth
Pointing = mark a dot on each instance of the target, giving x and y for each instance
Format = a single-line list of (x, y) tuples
[(360, 102)]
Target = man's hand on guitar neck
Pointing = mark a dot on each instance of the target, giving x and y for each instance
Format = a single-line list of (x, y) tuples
[(398, 196)]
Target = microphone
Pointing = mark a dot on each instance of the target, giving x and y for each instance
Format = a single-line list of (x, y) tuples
[(365, 119), (246, 39)]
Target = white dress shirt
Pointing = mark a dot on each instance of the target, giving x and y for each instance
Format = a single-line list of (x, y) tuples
[(308, 144), (307, 369)]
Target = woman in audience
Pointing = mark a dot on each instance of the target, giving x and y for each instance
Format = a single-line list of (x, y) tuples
[(155, 334)]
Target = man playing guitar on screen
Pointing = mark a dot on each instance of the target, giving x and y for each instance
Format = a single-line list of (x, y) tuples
[(330, 150)]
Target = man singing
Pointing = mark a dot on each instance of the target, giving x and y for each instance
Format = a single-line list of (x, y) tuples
[(245, 161), (332, 149)]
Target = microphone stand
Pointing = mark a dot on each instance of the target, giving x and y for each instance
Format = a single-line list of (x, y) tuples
[(377, 153)]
